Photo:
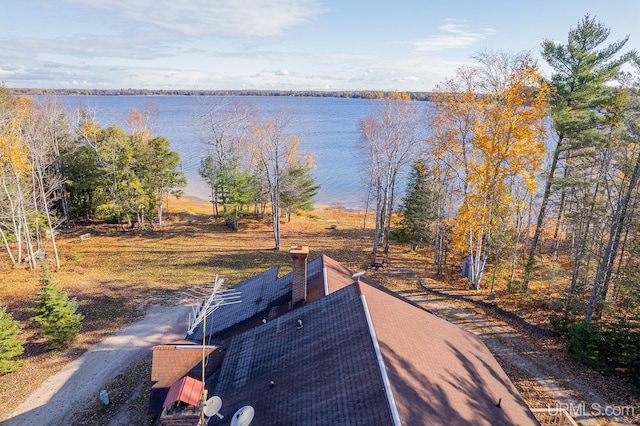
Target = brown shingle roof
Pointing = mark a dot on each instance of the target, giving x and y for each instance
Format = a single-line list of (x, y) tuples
[(172, 362), (328, 371), (337, 274), (439, 371), (325, 373)]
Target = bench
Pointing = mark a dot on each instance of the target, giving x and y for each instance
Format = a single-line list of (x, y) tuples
[(377, 262)]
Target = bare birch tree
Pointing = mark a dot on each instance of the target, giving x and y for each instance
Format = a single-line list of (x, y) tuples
[(390, 140), (15, 175), (488, 126), (223, 126), (274, 152)]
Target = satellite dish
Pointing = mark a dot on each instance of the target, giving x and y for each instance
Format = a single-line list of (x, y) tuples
[(243, 416), (212, 406)]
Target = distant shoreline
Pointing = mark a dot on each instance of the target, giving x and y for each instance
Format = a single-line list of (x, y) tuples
[(349, 209), (355, 94)]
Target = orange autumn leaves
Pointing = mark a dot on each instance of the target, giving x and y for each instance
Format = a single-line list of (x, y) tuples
[(488, 127)]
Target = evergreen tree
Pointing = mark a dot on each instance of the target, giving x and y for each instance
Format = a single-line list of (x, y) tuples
[(208, 172), (56, 314), (297, 190), (418, 208), (10, 342), (82, 184), (584, 100), (158, 170), (237, 189)]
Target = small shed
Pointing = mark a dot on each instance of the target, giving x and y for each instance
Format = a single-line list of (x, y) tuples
[(182, 404), (186, 390)]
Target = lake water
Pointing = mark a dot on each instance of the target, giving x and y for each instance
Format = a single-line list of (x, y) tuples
[(327, 128)]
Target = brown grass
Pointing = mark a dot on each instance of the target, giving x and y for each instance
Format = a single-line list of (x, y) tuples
[(115, 272)]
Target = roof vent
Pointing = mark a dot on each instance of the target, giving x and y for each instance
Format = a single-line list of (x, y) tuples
[(357, 276)]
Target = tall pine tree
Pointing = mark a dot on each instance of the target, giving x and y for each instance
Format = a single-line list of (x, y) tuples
[(584, 96)]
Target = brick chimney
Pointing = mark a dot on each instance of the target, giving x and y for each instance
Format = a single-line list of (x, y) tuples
[(299, 256)]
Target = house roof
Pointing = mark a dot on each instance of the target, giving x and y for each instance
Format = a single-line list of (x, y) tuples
[(364, 355), (172, 362), (187, 390), (438, 370), (323, 373), (257, 294), (264, 296)]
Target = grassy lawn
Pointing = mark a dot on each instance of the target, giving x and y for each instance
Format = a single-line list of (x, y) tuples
[(114, 273)]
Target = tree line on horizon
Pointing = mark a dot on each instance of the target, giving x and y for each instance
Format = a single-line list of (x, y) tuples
[(354, 94)]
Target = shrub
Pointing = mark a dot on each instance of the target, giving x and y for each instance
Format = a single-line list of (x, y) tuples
[(10, 342), (621, 349), (56, 314), (561, 323), (584, 344)]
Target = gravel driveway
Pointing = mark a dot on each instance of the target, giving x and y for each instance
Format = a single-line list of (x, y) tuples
[(81, 380)]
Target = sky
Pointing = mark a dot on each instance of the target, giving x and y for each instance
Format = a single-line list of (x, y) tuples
[(332, 45)]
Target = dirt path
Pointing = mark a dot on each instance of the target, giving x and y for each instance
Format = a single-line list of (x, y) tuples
[(503, 341), (81, 380)]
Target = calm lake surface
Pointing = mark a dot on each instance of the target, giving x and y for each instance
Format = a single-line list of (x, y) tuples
[(327, 128)]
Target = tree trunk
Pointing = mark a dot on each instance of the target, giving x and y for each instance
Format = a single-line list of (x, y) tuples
[(160, 209), (387, 230), (556, 231), (580, 247), (366, 212), (6, 245), (275, 215), (531, 260), (376, 235), (605, 266)]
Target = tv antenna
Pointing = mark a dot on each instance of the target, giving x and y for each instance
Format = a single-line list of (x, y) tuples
[(200, 313), (243, 416), (210, 303)]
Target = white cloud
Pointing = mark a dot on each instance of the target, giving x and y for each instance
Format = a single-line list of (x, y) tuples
[(240, 18), (457, 36)]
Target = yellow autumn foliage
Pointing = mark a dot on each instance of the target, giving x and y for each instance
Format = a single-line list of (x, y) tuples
[(491, 132), (16, 113)]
